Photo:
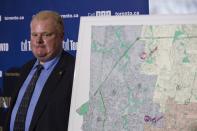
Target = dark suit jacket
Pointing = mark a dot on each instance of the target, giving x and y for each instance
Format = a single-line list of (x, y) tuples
[(52, 110)]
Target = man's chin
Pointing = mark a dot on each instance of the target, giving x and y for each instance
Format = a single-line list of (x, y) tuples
[(42, 58)]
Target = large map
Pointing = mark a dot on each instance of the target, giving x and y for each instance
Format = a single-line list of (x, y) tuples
[(142, 78)]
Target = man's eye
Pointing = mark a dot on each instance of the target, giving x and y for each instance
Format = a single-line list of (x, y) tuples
[(48, 34), (33, 34)]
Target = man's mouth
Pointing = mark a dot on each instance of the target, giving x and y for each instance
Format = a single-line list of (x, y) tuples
[(40, 46)]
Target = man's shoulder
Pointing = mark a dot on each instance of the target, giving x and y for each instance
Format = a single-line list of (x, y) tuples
[(29, 63), (27, 66), (67, 57)]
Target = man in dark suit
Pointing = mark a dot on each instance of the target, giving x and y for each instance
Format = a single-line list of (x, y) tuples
[(44, 107)]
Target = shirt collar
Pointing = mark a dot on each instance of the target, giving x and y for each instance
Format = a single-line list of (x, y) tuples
[(47, 65)]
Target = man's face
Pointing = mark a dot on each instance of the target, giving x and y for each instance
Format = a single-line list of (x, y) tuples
[(46, 41)]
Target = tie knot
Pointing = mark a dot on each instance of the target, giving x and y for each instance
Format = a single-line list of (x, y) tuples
[(39, 67)]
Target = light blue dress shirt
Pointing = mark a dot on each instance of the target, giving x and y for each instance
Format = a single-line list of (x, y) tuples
[(48, 68)]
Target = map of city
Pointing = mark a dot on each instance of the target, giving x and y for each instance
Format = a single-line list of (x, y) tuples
[(142, 78)]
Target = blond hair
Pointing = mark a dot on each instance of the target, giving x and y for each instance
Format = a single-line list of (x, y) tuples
[(47, 14)]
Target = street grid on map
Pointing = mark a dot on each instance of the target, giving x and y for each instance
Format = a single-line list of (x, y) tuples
[(142, 78)]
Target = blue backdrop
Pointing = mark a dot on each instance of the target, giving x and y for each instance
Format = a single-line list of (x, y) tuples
[(15, 17)]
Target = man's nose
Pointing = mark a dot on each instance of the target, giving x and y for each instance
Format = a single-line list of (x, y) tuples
[(39, 39)]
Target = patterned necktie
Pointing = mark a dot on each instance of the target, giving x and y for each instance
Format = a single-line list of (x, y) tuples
[(19, 124)]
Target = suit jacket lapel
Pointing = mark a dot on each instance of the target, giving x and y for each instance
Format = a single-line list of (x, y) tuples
[(48, 90)]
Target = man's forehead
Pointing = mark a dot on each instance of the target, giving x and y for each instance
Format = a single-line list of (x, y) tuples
[(48, 20)]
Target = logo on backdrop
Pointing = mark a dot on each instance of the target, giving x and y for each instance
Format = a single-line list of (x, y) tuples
[(25, 45), (100, 13), (69, 45), (109, 13), (4, 47), (1, 73), (14, 18), (5, 102), (127, 13), (66, 16)]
